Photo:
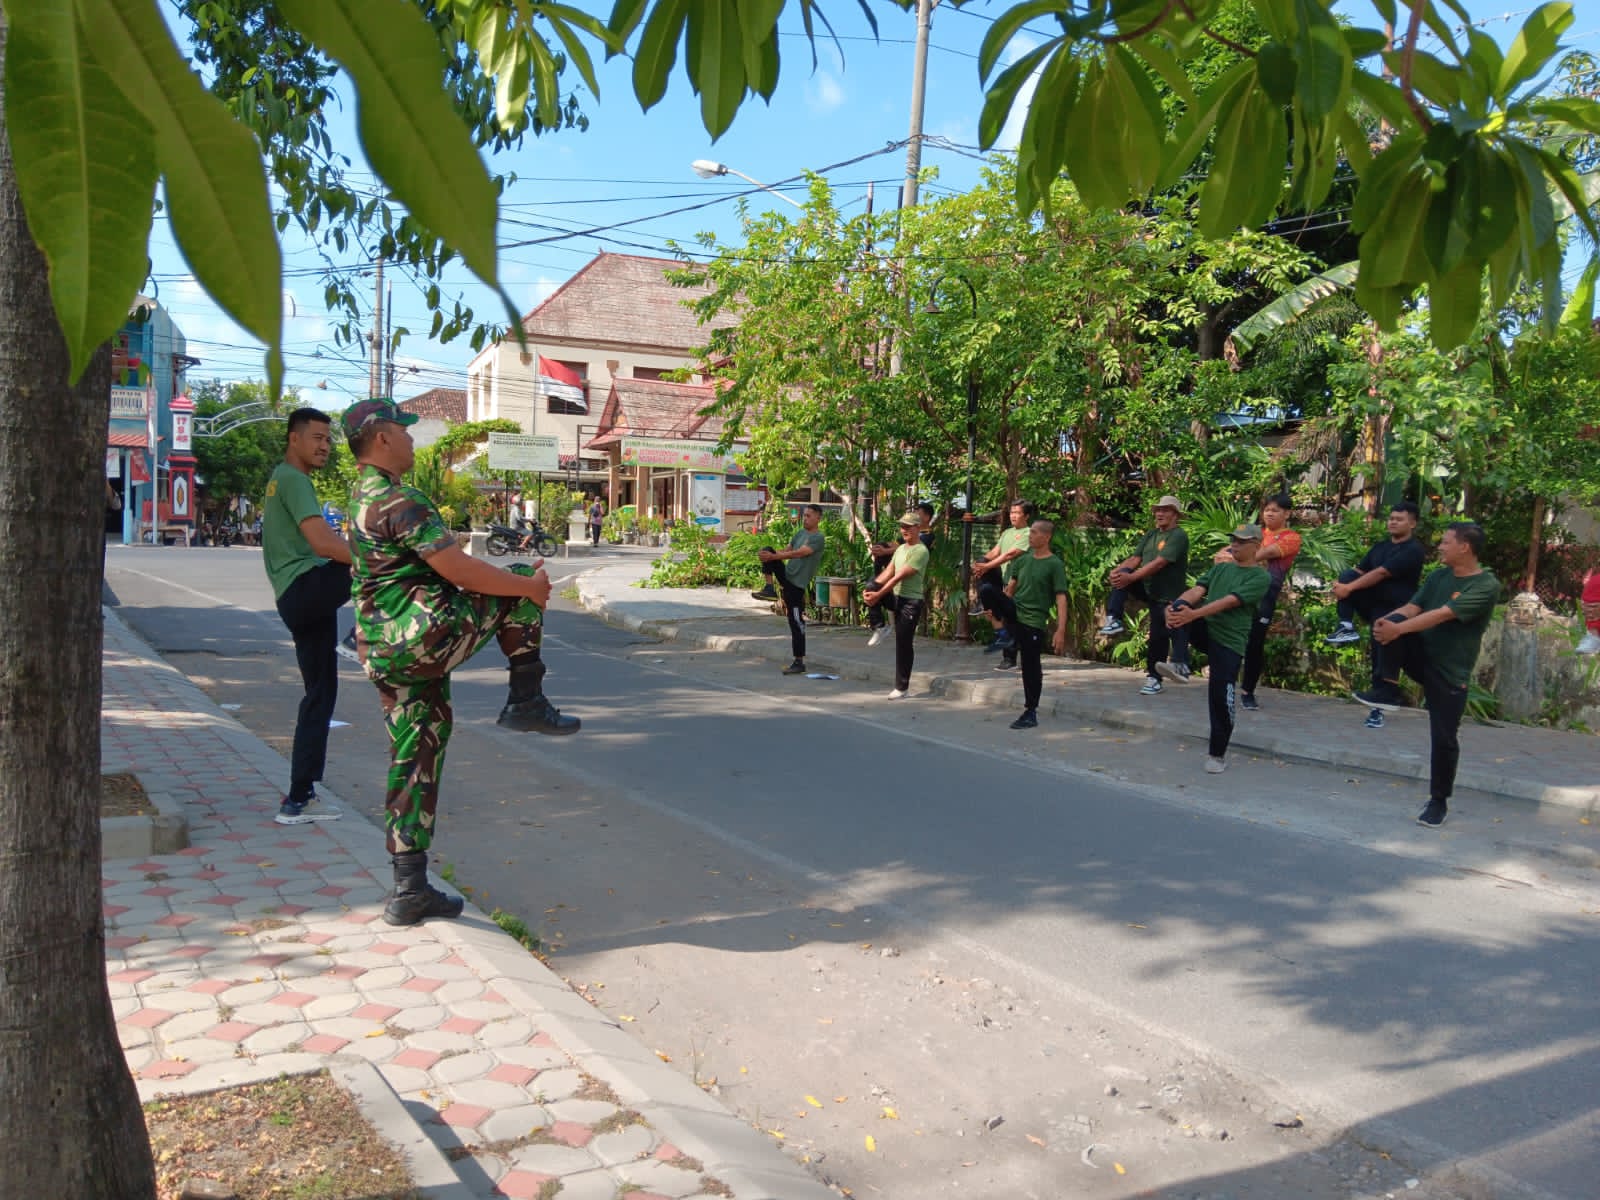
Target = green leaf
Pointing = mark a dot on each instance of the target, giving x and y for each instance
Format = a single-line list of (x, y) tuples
[(86, 170), (1380, 179), (1534, 46), (1162, 61), (1323, 80), (1316, 158), (1190, 135), (1005, 27), (1392, 253), (758, 21), (1278, 17), (1002, 94), (715, 59), (1142, 121), (1437, 82), (511, 88), (1481, 66), (1046, 129), (658, 50), (1572, 190), (1580, 309), (1277, 67), (624, 20), (1363, 43), (216, 191), (566, 22), (1455, 302), (1354, 139), (1383, 98), (1246, 177), (412, 135)]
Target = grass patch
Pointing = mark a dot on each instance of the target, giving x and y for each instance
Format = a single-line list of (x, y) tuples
[(122, 795)]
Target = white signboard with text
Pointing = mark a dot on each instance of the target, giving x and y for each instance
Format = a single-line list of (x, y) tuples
[(705, 501), (524, 452)]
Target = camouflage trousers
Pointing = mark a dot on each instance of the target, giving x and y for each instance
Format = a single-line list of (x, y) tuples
[(413, 681)]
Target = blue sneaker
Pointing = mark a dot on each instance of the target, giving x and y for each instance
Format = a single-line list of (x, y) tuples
[(1375, 719), (303, 812)]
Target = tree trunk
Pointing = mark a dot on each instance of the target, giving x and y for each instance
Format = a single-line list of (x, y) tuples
[(72, 1124), (1530, 574)]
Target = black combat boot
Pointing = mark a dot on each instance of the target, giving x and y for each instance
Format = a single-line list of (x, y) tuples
[(527, 710), (415, 899)]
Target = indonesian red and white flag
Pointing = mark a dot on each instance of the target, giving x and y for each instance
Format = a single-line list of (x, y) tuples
[(563, 383)]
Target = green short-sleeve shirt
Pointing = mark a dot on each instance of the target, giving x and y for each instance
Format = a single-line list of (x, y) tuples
[(291, 498), (916, 557), (1039, 581), (1453, 647), (1011, 539), (1232, 628), (801, 571), (1173, 545)]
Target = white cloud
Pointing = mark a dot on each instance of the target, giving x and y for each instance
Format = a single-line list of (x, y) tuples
[(824, 93), (1011, 133)]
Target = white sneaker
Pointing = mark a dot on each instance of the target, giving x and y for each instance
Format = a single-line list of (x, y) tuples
[(1215, 766), (877, 637), (1590, 644), (347, 648), (898, 694)]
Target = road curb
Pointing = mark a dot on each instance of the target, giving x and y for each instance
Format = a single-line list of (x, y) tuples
[(1410, 765)]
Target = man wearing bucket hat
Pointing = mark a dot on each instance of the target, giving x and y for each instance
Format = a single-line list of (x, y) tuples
[(1217, 613), (903, 582), (424, 607), (1156, 572)]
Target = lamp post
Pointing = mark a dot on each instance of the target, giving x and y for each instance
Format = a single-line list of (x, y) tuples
[(707, 169), (963, 620)]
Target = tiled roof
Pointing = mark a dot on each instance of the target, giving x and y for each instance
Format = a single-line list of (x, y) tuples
[(655, 408), (439, 404), (623, 300), (131, 440)]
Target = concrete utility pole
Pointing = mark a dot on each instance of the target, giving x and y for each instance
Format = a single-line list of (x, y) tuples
[(375, 359), (388, 341), (919, 89)]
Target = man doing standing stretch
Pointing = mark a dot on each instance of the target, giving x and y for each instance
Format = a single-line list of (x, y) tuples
[(1157, 572), (793, 570), (1038, 580), (1435, 640), (424, 607), (308, 565), (1380, 583)]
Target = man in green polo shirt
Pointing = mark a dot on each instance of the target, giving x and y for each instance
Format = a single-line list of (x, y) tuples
[(793, 570), (1217, 613), (992, 573), (905, 579), (308, 565), (1038, 581), (1435, 640), (1156, 572)]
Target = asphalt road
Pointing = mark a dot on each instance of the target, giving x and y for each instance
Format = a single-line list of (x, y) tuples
[(872, 929)]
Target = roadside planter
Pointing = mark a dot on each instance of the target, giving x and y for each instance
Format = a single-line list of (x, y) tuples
[(840, 591)]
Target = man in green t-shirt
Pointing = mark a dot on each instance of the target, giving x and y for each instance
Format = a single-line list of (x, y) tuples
[(1038, 581), (992, 572), (792, 570), (1435, 640), (902, 584), (1216, 613), (1156, 572), (308, 565)]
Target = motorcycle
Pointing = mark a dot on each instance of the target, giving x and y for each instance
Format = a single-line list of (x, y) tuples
[(532, 539)]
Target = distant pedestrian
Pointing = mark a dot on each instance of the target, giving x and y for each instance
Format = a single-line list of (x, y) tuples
[(425, 607), (308, 565), (1038, 581), (904, 583), (1216, 614), (1279, 547), (789, 574), (881, 553), (993, 571), (1156, 572), (1435, 638), (1385, 579), (597, 518)]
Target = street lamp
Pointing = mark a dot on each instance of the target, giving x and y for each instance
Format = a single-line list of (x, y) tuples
[(707, 169), (963, 620)]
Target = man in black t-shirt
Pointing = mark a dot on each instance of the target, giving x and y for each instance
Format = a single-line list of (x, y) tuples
[(1386, 578)]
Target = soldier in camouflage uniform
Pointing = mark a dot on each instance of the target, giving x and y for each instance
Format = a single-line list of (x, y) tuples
[(424, 607)]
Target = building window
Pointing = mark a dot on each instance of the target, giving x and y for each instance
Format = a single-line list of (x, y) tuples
[(656, 373)]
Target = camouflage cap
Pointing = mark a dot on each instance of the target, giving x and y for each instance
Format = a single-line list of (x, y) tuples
[(358, 416)]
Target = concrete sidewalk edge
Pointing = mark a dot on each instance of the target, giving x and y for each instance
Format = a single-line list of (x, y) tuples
[(730, 1149), (1409, 766)]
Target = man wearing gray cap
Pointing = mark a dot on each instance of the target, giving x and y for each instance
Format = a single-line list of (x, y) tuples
[(904, 579), (1156, 572)]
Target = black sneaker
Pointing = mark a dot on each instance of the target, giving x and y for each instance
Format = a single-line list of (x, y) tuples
[(1028, 720), (766, 593), (1383, 697), (347, 648), (1007, 663), (1345, 635), (1247, 701), (795, 668), (537, 716), (1434, 815), (1002, 641), (1375, 719), (303, 812)]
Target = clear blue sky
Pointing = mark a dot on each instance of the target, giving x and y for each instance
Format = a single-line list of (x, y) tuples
[(633, 167)]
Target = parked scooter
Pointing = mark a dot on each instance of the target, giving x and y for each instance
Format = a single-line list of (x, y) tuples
[(530, 538)]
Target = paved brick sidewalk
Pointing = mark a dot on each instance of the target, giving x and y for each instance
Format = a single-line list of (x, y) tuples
[(261, 948), (1515, 762)]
